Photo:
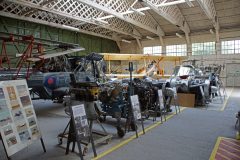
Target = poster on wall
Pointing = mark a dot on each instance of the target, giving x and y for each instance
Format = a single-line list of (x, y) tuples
[(136, 107), (18, 122)]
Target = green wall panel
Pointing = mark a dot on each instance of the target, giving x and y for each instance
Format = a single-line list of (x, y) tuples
[(90, 43)]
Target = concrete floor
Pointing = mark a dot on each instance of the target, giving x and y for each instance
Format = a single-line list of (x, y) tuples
[(190, 135)]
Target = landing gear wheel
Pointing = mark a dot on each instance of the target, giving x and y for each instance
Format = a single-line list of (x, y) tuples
[(120, 132)]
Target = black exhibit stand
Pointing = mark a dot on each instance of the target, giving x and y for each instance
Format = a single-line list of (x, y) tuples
[(77, 131), (134, 111)]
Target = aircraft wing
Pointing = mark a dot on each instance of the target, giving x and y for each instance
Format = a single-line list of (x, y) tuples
[(121, 76), (140, 75), (47, 56)]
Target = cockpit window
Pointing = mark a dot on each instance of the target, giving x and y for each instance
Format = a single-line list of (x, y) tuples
[(182, 71)]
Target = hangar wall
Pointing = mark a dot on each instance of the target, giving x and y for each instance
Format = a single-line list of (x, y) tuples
[(90, 43), (217, 58)]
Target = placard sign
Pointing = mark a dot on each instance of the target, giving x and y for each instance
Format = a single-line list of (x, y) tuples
[(18, 122), (136, 107), (80, 121), (175, 92), (160, 98)]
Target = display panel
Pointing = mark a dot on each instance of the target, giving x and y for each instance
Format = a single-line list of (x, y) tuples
[(136, 107), (18, 122), (80, 120)]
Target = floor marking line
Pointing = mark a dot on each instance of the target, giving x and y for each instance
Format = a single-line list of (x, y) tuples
[(230, 147), (234, 144), (231, 139), (214, 151), (223, 156), (234, 155), (225, 104), (132, 137)]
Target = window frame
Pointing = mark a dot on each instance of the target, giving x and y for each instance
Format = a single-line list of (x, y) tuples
[(176, 50), (234, 49), (153, 50), (205, 48)]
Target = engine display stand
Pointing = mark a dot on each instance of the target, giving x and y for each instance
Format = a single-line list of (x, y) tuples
[(131, 120)]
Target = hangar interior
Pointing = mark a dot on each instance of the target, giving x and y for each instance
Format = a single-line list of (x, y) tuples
[(119, 79)]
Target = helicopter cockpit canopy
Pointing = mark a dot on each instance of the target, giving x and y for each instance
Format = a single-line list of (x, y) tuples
[(186, 71)]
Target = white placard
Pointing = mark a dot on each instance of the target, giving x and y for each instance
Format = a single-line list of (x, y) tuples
[(136, 107), (80, 120), (160, 98), (18, 121), (175, 92)]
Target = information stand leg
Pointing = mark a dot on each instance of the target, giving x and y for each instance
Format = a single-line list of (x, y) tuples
[(161, 117), (80, 150), (91, 138), (161, 114), (43, 145), (65, 129), (127, 124), (129, 121), (156, 112), (5, 148), (175, 107), (136, 128), (136, 133), (71, 136), (68, 145), (164, 112), (143, 126), (73, 146)]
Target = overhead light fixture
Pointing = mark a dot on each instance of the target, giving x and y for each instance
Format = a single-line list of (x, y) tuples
[(148, 37), (124, 40), (70, 27), (211, 31), (180, 36), (190, 4), (100, 21), (137, 11)]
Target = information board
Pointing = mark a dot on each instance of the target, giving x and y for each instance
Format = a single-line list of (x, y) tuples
[(18, 122), (80, 121), (136, 107), (175, 92), (160, 99)]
